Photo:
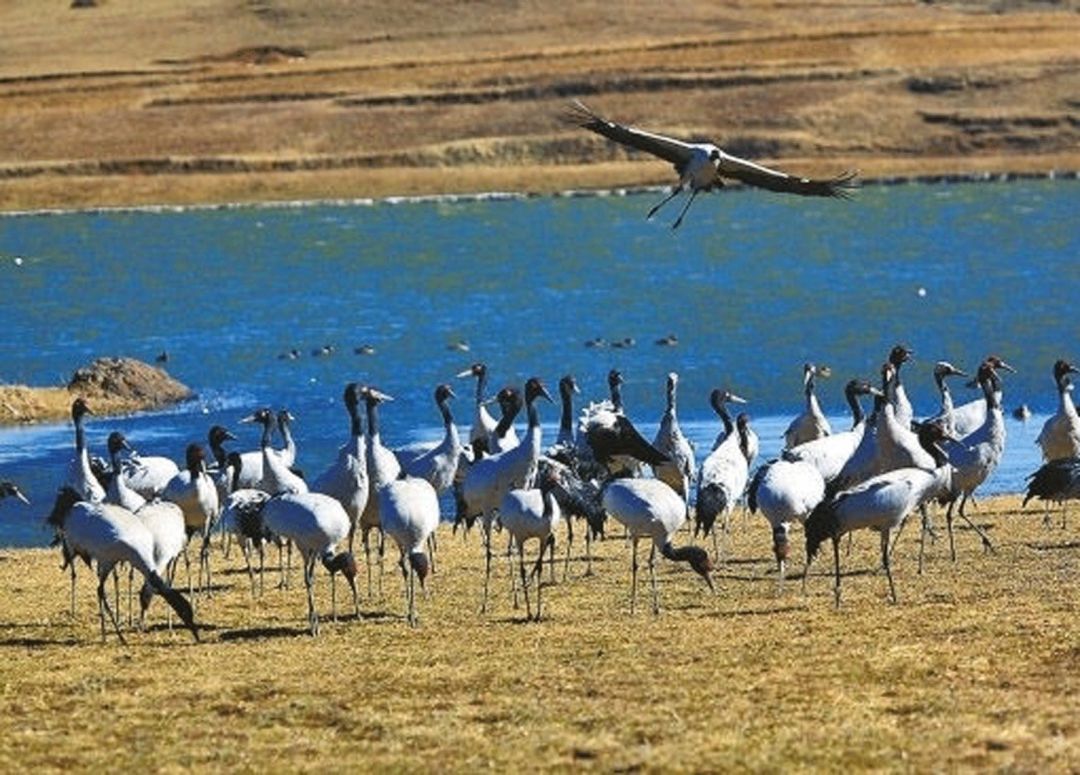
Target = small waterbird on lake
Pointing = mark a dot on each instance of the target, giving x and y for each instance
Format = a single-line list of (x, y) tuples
[(702, 166)]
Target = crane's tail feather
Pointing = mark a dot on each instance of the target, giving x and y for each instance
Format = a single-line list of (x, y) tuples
[(177, 601), (821, 524)]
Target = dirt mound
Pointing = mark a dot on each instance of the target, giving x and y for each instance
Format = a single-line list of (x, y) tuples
[(111, 385), (127, 379)]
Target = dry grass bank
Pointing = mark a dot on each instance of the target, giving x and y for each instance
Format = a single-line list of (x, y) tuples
[(976, 668), (213, 101)]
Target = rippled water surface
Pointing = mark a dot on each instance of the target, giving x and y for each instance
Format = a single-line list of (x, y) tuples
[(752, 285)]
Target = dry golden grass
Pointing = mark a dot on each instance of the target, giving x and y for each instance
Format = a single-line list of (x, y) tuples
[(975, 669), (205, 101)]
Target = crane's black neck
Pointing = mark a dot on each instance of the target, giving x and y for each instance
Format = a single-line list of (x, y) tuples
[(566, 418), (852, 395), (616, 396), (444, 410), (481, 386), (725, 417)]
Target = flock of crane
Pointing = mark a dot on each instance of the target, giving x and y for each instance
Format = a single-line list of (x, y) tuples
[(146, 511)]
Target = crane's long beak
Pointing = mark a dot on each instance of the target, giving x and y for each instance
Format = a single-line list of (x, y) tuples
[(736, 399), (18, 494), (249, 418), (464, 374), (1009, 368)]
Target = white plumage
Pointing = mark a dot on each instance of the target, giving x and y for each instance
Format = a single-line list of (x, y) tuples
[(532, 514), (315, 523), (976, 456), (723, 475), (829, 453), (811, 424), (196, 494), (438, 466), (80, 476), (409, 509), (108, 535), (490, 478), (701, 166), (347, 477), (673, 444), (649, 509), (785, 492), (276, 476), (880, 503), (1060, 435)]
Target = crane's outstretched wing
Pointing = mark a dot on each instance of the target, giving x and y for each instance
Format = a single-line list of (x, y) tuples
[(667, 148), (762, 177)]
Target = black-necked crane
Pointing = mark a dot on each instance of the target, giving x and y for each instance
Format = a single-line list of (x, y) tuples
[(880, 503), (703, 166), (277, 477), (568, 386), (409, 511), (1057, 481), (785, 492), (829, 453), (812, 423), (196, 494), (347, 477), (107, 535), (527, 514), (976, 456), (438, 465), (164, 520), (947, 415), (898, 356), (483, 423), (723, 474), (222, 475), (316, 524), (383, 467), (606, 434), (80, 476), (490, 478), (253, 474), (241, 517), (671, 442), (970, 415), (649, 509), (1060, 435)]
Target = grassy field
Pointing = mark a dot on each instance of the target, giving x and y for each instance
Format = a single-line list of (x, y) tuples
[(220, 101), (976, 668)]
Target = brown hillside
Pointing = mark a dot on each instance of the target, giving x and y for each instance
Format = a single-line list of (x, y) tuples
[(215, 100)]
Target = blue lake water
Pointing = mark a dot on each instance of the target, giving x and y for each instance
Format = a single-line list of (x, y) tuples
[(753, 285)]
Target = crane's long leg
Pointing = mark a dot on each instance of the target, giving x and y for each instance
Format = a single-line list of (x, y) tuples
[(987, 544), (885, 562), (948, 527), (524, 579), (103, 608), (569, 545), (690, 201), (674, 193), (633, 573), (487, 567), (309, 582), (652, 579), (537, 570), (836, 567)]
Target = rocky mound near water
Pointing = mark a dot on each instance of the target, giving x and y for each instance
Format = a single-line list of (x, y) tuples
[(110, 386)]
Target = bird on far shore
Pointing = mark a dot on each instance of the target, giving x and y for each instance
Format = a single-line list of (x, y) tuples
[(701, 166)]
